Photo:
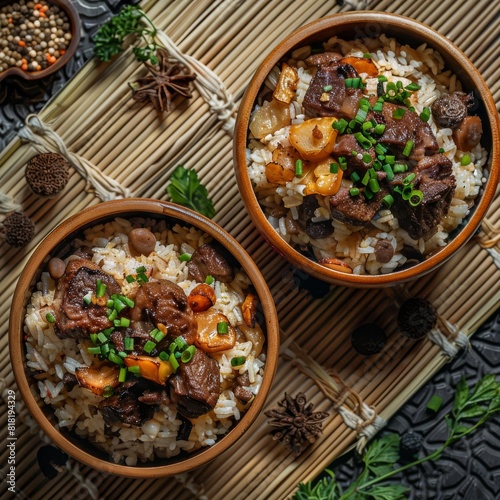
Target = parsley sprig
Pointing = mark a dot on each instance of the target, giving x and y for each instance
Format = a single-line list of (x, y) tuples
[(185, 189), (471, 409), (131, 20)]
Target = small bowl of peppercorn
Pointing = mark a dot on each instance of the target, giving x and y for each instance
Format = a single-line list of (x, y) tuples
[(37, 37)]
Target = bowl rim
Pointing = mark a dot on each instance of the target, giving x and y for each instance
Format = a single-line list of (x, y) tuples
[(295, 39), (153, 208), (75, 22)]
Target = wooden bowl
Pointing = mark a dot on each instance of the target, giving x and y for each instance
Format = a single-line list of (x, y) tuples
[(74, 20), (55, 242), (408, 31)]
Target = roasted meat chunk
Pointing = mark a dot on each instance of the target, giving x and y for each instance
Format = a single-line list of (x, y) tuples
[(355, 210), (209, 260)]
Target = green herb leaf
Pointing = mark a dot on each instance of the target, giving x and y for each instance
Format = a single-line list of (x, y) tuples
[(461, 395), (383, 451), (185, 189), (325, 489), (387, 491)]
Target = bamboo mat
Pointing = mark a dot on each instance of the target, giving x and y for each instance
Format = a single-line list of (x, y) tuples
[(97, 120)]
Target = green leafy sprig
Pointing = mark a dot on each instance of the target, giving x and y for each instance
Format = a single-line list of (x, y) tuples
[(185, 189), (131, 20), (471, 409)]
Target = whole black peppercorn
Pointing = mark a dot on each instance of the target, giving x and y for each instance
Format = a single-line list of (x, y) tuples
[(368, 339), (416, 318)]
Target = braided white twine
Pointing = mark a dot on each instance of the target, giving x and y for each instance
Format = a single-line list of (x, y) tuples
[(207, 83), (45, 140), (8, 204), (364, 420)]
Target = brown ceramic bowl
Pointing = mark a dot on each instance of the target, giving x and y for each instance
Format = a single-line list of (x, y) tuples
[(74, 20), (55, 243), (408, 31)]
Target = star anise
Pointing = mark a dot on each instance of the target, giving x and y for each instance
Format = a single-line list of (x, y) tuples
[(297, 426), (165, 80)]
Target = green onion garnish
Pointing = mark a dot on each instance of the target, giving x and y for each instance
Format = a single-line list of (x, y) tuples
[(129, 343), (388, 170), (388, 200), (222, 328), (416, 197), (374, 185), (441, 150), (406, 192), (50, 317), (435, 403), (118, 304), (342, 162), (102, 337), (399, 168), (367, 126), (398, 113), (164, 356), (141, 269), (361, 115), (94, 350), (188, 354), (100, 289), (412, 87), (354, 191), (238, 360), (425, 115), (107, 392), (173, 362), (366, 178), (130, 278), (379, 128), (368, 194), (363, 141), (348, 82), (112, 315), (390, 159), (408, 147), (355, 177), (134, 369), (209, 280), (122, 354), (408, 179), (125, 322), (87, 298), (93, 338), (465, 160), (327, 88), (378, 106), (184, 257), (115, 358), (382, 78), (149, 346), (340, 125), (380, 149), (142, 278), (367, 158), (298, 167), (105, 349), (367, 55), (159, 336), (128, 302), (334, 168), (123, 374)]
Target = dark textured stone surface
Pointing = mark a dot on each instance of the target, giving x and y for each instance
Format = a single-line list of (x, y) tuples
[(468, 470)]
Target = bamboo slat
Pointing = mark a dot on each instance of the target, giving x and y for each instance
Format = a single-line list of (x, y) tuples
[(97, 120)]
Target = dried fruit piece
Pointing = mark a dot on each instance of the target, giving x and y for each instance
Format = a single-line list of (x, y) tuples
[(287, 84), (201, 298), (416, 318), (314, 139), (368, 339), (153, 369)]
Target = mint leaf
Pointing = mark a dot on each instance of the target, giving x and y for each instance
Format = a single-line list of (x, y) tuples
[(185, 189)]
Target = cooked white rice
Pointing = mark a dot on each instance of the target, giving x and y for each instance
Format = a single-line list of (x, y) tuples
[(51, 357), (353, 244)]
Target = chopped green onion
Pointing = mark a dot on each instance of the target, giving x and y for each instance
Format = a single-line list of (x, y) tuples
[(238, 361), (188, 354), (380, 149), (153, 332), (348, 82), (117, 303), (298, 167), (374, 185), (434, 404), (87, 298), (222, 328), (123, 374), (125, 322), (50, 317), (379, 128), (177, 354), (465, 160), (209, 280), (441, 150), (378, 106), (408, 147), (356, 83), (100, 289), (366, 178), (412, 87), (128, 302), (399, 168), (122, 354), (388, 170), (408, 179), (334, 168), (105, 348), (173, 362), (355, 177), (368, 194), (112, 315), (388, 200), (134, 369), (352, 124), (107, 392), (164, 356), (129, 343), (93, 338), (102, 337), (367, 158), (390, 159), (398, 113), (340, 125), (115, 358), (184, 257), (407, 192), (363, 141), (159, 336), (354, 191), (367, 55), (110, 304), (142, 278), (94, 350), (361, 115), (109, 331), (382, 78), (377, 165), (416, 197), (425, 115), (367, 126), (141, 269), (327, 88), (130, 278), (149, 346), (342, 162)]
